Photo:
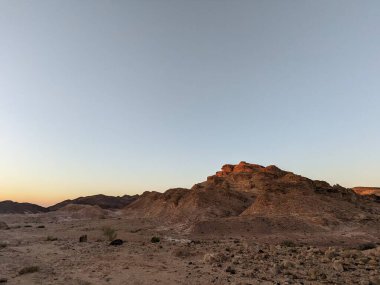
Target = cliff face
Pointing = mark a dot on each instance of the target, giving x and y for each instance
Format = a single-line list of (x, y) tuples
[(251, 190)]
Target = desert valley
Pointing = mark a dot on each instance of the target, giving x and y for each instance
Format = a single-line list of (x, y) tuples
[(247, 224)]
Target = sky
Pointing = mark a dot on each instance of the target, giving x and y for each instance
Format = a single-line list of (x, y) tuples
[(121, 97)]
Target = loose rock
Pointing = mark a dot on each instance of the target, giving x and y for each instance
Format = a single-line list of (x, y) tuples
[(117, 242)]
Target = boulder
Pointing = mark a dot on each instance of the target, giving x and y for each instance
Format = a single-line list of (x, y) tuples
[(83, 238), (117, 242)]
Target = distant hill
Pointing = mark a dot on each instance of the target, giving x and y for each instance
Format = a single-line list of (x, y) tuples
[(10, 207), (367, 190), (103, 201), (76, 211)]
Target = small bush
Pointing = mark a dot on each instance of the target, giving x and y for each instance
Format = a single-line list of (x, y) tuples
[(41, 227), (50, 238), (155, 240), (288, 243), (29, 269), (109, 233), (3, 244), (82, 282), (365, 246)]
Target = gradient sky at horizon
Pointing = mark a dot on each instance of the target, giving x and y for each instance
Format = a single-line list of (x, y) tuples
[(119, 97)]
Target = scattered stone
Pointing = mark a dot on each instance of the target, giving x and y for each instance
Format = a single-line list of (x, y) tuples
[(51, 238), (231, 270), (3, 280), (313, 273), (83, 238), (215, 258), (330, 253), (288, 243), (182, 252), (375, 281), (372, 252), (287, 264), (155, 240), (365, 246), (276, 269), (338, 266), (117, 242)]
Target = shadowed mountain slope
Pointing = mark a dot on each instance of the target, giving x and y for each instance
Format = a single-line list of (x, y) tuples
[(10, 207), (103, 201)]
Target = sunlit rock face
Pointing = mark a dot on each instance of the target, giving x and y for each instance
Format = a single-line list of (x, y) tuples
[(252, 190), (367, 190), (242, 167)]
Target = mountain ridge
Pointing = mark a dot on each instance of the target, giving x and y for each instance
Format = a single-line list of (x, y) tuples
[(242, 189), (101, 200), (10, 207)]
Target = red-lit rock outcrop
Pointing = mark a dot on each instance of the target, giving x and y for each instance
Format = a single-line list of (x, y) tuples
[(251, 190)]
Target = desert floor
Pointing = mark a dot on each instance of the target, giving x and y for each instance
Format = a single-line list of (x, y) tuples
[(230, 257)]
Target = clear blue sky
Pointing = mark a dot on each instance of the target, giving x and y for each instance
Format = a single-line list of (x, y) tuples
[(119, 97)]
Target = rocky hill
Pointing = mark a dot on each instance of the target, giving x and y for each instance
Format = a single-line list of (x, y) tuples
[(367, 190), (103, 201), (251, 191), (77, 211), (10, 207)]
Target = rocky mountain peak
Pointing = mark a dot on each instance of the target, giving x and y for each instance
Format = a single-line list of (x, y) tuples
[(249, 168), (239, 168)]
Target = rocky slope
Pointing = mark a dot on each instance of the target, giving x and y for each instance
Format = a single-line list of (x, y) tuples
[(78, 211), (252, 191), (103, 201), (10, 207)]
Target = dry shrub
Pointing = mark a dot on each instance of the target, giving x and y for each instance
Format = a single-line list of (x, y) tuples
[(110, 233), (29, 269), (50, 238), (288, 243), (365, 246), (155, 240)]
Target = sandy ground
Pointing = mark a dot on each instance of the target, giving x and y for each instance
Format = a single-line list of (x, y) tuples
[(203, 258)]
